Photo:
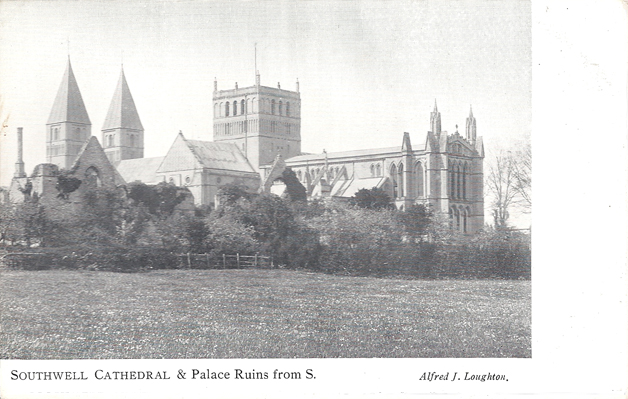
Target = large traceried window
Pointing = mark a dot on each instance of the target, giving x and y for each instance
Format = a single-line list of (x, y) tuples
[(393, 177), (420, 184), (401, 181)]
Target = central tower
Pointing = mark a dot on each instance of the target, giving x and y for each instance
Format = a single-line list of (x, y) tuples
[(262, 121)]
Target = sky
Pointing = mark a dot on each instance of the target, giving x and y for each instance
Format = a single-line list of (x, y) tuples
[(368, 70)]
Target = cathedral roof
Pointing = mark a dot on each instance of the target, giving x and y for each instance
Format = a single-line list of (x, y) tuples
[(122, 112), (225, 156), (140, 169), (69, 105)]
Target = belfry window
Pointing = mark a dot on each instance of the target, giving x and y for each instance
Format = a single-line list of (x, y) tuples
[(372, 170), (272, 107)]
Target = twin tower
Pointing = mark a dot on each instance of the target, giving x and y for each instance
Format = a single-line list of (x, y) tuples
[(69, 127)]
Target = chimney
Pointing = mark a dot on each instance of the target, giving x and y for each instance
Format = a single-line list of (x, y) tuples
[(236, 85), (297, 85), (278, 85), (19, 165)]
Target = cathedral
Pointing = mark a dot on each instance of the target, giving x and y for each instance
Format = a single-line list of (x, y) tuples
[(256, 136)]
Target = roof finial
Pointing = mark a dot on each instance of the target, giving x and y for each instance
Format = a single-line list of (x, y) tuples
[(456, 129), (122, 59)]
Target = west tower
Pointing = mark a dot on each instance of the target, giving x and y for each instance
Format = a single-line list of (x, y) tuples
[(68, 126), (262, 121), (122, 132)]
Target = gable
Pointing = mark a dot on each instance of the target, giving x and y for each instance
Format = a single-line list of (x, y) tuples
[(179, 157), (93, 156)]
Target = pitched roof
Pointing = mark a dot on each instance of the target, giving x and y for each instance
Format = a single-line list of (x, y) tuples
[(122, 112), (69, 105), (140, 169), (225, 156), (348, 188)]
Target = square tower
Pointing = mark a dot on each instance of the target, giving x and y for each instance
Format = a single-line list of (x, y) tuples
[(262, 121)]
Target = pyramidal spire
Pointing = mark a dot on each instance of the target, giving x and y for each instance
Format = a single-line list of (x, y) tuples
[(122, 112), (69, 105)]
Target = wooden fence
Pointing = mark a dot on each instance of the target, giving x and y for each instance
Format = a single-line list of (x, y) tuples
[(237, 261)]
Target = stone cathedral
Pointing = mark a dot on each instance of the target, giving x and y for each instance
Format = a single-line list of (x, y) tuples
[(256, 135)]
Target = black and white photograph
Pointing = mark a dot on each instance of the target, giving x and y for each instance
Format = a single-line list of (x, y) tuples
[(258, 199)]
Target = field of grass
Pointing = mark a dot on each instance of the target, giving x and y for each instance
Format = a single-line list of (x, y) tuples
[(257, 314)]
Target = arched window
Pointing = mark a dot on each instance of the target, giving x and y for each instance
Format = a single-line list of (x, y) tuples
[(458, 183), (420, 193), (222, 109), (235, 108), (92, 177), (243, 109), (452, 177), (465, 220), (401, 182), (451, 218), (272, 107), (227, 108), (248, 108), (378, 170), (457, 214), (280, 107), (287, 108), (393, 177), (56, 134), (464, 182), (372, 170)]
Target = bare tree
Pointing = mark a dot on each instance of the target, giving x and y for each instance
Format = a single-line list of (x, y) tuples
[(509, 182), (522, 172), (501, 184)]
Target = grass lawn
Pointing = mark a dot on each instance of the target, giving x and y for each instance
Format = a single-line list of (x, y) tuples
[(257, 314)]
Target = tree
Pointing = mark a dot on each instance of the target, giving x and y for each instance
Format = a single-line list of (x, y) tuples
[(294, 189), (522, 172), (416, 221), (374, 198), (160, 199), (66, 184), (509, 183)]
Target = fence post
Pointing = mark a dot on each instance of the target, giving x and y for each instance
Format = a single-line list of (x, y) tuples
[(189, 261), (224, 261), (207, 258), (272, 266), (238, 259)]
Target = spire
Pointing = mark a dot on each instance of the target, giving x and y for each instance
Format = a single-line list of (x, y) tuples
[(435, 120), (471, 127), (69, 105), (122, 112)]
